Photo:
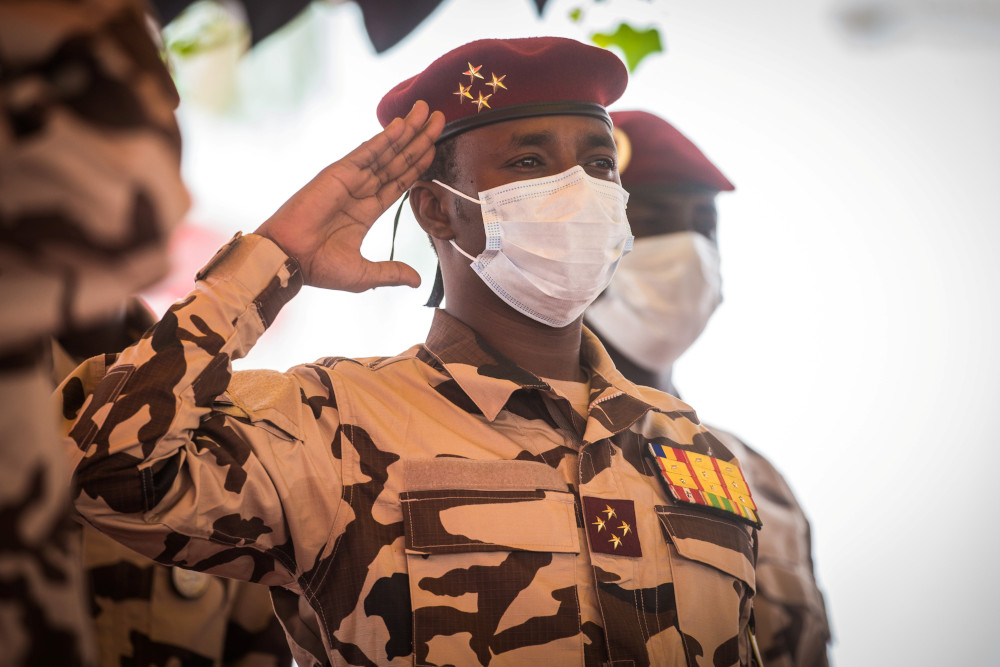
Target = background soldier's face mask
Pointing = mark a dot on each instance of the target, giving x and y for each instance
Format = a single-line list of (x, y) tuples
[(552, 244), (661, 298)]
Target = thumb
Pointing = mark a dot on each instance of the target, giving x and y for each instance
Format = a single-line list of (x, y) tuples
[(390, 274)]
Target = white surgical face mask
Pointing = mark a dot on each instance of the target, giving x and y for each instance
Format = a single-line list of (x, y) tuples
[(661, 298), (552, 244)]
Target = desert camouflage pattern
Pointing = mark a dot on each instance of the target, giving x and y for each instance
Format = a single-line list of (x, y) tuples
[(145, 613), (423, 509), (89, 188), (792, 628)]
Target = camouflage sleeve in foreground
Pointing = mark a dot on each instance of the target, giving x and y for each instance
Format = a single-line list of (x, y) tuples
[(89, 187), (89, 163), (792, 625)]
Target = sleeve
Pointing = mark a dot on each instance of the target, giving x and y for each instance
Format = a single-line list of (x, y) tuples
[(182, 474)]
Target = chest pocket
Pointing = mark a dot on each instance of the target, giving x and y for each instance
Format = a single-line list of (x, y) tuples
[(491, 551), (714, 580)]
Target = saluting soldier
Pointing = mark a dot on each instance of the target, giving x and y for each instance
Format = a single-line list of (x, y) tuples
[(658, 303), (498, 494)]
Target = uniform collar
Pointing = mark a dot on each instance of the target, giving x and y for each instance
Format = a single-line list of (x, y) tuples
[(489, 378)]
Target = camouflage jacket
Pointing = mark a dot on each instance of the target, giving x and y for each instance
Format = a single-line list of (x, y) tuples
[(791, 623), (438, 507), (89, 189)]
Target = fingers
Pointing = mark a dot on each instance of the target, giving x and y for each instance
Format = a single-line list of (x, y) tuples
[(374, 274), (410, 162)]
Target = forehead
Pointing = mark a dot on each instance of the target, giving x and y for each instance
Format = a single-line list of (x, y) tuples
[(538, 132)]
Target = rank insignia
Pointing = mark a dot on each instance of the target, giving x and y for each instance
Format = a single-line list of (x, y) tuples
[(611, 526), (481, 101), (698, 479)]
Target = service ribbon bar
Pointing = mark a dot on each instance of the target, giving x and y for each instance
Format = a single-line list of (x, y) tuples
[(704, 480)]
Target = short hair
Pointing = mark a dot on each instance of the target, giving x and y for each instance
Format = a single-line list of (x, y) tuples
[(444, 165)]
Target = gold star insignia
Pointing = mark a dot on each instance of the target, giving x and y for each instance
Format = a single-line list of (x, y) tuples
[(625, 528), (599, 523), (615, 540), (463, 91), (497, 83), (609, 511), (481, 101), (473, 73)]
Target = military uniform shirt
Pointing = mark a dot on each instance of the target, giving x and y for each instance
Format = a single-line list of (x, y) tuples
[(442, 506)]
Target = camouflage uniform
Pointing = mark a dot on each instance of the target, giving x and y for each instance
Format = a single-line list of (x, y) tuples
[(89, 189), (437, 507), (146, 614), (792, 627)]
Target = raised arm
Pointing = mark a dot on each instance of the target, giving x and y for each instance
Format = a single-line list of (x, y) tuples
[(188, 478)]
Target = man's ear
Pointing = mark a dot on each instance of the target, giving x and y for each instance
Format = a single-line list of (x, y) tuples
[(427, 200)]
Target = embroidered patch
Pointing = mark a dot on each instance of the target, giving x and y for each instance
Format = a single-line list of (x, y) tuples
[(698, 479), (611, 526)]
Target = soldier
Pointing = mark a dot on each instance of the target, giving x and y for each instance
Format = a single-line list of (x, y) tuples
[(656, 306), (89, 190), (497, 495)]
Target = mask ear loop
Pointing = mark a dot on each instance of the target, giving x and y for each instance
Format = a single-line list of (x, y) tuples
[(437, 291), (395, 224)]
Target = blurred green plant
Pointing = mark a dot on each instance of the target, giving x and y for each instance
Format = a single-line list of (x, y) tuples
[(204, 26), (634, 44)]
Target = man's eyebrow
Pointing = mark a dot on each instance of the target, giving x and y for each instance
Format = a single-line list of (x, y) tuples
[(598, 140), (539, 139)]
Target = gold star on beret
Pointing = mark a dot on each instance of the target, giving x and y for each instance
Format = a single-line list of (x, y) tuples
[(463, 92), (473, 73)]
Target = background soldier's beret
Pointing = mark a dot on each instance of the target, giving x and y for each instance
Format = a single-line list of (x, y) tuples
[(492, 80), (652, 151)]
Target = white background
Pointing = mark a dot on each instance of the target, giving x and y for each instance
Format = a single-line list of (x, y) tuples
[(857, 344)]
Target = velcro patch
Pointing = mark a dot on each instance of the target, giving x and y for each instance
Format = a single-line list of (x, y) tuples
[(698, 479), (611, 526)]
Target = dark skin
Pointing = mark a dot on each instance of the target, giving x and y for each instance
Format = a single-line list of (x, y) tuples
[(665, 209), (488, 157)]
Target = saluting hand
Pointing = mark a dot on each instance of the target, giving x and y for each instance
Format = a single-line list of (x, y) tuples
[(323, 224)]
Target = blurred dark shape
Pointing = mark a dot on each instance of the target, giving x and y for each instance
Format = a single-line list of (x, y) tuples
[(540, 6), (386, 21), (389, 21), (956, 23)]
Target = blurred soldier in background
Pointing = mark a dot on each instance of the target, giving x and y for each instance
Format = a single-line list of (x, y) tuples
[(90, 190), (656, 306)]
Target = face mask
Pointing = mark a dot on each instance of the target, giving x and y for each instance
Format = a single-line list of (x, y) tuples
[(661, 298), (552, 244)]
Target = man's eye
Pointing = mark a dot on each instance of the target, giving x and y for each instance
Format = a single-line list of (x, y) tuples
[(604, 163), (526, 162)]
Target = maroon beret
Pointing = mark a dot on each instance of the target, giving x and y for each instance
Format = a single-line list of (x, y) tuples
[(655, 152), (493, 80)]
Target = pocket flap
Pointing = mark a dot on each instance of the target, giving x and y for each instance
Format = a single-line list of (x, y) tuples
[(724, 544), (267, 396), (463, 520)]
